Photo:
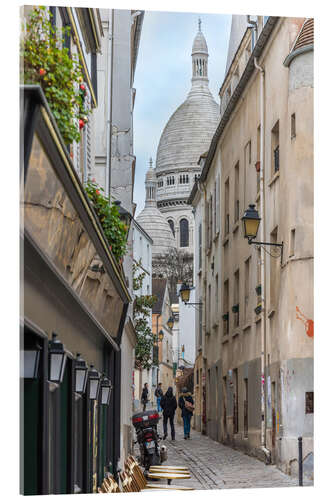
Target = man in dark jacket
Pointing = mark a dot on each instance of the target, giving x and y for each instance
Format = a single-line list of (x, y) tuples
[(169, 405), (186, 404)]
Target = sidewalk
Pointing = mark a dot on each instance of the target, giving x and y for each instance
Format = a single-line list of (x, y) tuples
[(215, 466)]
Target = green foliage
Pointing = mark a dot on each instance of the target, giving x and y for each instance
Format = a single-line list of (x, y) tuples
[(114, 229), (141, 311), (47, 63)]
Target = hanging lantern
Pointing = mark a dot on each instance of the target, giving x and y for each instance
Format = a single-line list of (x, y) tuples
[(30, 362), (57, 360), (81, 374), (185, 292), (106, 388), (94, 383)]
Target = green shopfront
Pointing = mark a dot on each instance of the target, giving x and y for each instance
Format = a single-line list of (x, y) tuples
[(73, 307)]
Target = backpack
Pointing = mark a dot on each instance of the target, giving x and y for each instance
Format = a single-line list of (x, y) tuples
[(189, 406)]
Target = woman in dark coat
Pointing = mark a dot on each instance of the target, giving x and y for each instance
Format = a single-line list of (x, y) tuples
[(169, 405), (186, 404)]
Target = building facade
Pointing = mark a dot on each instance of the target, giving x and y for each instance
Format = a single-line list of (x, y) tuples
[(142, 257), (69, 439), (163, 350), (255, 340)]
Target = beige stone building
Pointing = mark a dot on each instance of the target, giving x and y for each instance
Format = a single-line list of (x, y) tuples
[(254, 333), (161, 313)]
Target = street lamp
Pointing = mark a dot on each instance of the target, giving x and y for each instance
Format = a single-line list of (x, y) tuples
[(251, 221), (81, 374), (160, 335), (94, 383), (105, 391), (57, 360), (184, 292), (170, 322)]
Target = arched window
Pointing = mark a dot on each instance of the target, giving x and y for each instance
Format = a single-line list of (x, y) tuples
[(172, 226), (183, 226)]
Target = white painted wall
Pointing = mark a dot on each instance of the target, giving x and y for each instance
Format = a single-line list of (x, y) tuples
[(187, 328)]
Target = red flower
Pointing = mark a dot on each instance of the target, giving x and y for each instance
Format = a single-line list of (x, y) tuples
[(42, 72), (93, 180), (82, 87), (81, 123), (97, 192), (110, 247)]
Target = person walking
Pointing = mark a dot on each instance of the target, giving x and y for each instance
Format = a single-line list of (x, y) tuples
[(159, 394), (144, 397), (169, 405), (186, 404)]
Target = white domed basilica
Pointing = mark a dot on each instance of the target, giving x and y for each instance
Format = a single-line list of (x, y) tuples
[(186, 136), (167, 217)]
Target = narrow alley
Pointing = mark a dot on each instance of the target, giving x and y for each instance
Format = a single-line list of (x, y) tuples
[(215, 466)]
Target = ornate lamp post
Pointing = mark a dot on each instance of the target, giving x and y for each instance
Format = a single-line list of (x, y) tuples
[(251, 221)]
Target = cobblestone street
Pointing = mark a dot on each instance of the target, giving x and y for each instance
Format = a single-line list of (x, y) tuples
[(215, 466)]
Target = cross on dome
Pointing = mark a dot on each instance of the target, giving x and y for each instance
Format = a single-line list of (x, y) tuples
[(199, 23)]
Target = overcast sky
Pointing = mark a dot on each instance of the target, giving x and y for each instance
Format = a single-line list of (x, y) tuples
[(163, 76)]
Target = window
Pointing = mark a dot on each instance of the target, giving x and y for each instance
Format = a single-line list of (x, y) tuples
[(236, 298), (236, 195), (247, 288), (248, 52), (246, 399), (200, 245), (275, 148), (226, 207), (200, 324), (170, 180), (160, 183), (274, 263), (309, 402), (208, 312), (228, 93), (216, 296), (217, 208), (235, 401), (258, 158), (226, 308), (184, 233), (183, 179), (172, 226), (214, 211), (292, 243), (293, 126)]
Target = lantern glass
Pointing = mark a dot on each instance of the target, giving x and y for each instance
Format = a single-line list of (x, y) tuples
[(105, 398), (160, 335), (170, 322), (185, 293), (94, 387), (29, 369), (251, 221), (56, 366), (81, 380)]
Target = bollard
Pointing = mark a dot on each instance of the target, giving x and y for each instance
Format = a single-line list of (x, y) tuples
[(300, 462)]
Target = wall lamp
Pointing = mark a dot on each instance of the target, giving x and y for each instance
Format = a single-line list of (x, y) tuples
[(251, 221), (170, 322), (184, 292)]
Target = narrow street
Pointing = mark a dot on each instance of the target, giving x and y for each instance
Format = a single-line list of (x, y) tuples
[(215, 466)]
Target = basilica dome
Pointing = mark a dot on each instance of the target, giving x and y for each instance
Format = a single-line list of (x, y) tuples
[(190, 129), (153, 221)]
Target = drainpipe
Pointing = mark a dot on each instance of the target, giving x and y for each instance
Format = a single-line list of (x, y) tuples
[(254, 26), (109, 108), (262, 266)]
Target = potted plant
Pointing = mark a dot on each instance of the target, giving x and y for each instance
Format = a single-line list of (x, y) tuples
[(225, 317), (258, 290), (235, 308)]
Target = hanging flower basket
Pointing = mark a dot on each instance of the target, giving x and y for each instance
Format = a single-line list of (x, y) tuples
[(258, 290), (235, 308), (225, 317)]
